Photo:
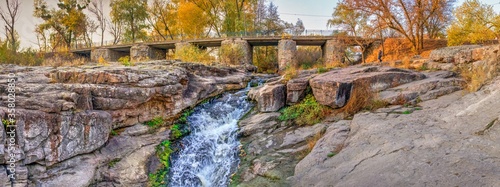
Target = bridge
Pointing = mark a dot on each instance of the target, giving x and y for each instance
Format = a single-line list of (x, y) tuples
[(333, 47)]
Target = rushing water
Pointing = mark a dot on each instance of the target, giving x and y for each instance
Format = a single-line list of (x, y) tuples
[(209, 154)]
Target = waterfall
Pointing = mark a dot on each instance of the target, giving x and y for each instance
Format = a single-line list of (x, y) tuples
[(209, 154)]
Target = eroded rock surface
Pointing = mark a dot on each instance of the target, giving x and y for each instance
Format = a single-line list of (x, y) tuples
[(65, 117), (453, 141)]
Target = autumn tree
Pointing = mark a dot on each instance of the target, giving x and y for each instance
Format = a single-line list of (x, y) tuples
[(192, 21), (162, 16), (299, 27), (355, 23), (475, 23), (68, 21), (133, 15), (97, 9), (9, 17), (407, 17)]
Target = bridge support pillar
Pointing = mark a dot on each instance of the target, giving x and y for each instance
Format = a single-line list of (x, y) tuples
[(144, 52), (106, 54), (333, 51), (236, 52), (287, 50)]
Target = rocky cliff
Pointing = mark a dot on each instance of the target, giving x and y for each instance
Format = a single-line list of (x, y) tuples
[(81, 126)]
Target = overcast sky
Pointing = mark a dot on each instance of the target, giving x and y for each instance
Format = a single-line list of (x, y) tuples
[(313, 13)]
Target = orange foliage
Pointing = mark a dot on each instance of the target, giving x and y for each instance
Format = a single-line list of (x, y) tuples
[(398, 48)]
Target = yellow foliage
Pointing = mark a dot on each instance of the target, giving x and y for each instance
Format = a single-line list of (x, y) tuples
[(102, 62), (191, 53), (231, 54), (191, 20), (476, 76)]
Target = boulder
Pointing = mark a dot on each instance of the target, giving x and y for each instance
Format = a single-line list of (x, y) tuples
[(269, 97), (437, 84), (334, 88), (455, 54), (296, 88)]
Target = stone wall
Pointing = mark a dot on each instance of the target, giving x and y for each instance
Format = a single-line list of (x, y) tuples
[(107, 54), (287, 51), (144, 52)]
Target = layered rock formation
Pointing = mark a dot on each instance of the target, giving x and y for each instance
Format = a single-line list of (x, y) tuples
[(453, 141), (65, 117)]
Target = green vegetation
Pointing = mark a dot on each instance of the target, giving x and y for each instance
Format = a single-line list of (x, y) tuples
[(163, 152), (113, 132), (231, 54), (6, 122), (307, 112), (125, 60), (155, 122), (113, 162), (191, 53), (406, 112), (322, 70), (26, 57), (175, 132), (331, 154), (181, 128)]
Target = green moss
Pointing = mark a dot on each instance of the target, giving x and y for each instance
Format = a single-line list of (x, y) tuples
[(6, 122), (406, 112), (331, 154), (163, 152), (322, 70), (113, 132), (155, 122), (307, 112), (176, 132), (184, 116), (113, 162)]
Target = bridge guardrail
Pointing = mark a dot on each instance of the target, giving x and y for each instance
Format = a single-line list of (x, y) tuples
[(212, 36)]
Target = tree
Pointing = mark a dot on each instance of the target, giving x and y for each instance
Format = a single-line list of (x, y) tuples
[(9, 17), (116, 30), (192, 22), (96, 8), (407, 17), (68, 21), (474, 22), (299, 27), (354, 23), (133, 15), (274, 24), (162, 15)]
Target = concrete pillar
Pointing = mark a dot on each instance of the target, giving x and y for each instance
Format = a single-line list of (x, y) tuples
[(333, 51), (236, 52), (107, 54), (143, 53), (287, 50)]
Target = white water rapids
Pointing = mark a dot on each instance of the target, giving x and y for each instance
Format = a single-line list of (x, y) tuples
[(209, 154)]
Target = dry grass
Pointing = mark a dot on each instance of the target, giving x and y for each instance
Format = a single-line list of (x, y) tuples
[(311, 142), (290, 73), (398, 48), (406, 62), (64, 59), (362, 98)]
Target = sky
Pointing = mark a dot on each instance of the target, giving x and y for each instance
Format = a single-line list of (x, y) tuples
[(313, 13)]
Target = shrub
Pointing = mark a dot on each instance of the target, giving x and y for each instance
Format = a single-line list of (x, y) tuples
[(265, 58), (125, 60), (307, 112), (102, 62), (362, 99), (290, 73), (191, 53), (231, 54)]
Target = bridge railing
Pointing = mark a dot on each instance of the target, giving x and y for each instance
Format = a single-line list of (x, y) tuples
[(213, 35)]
